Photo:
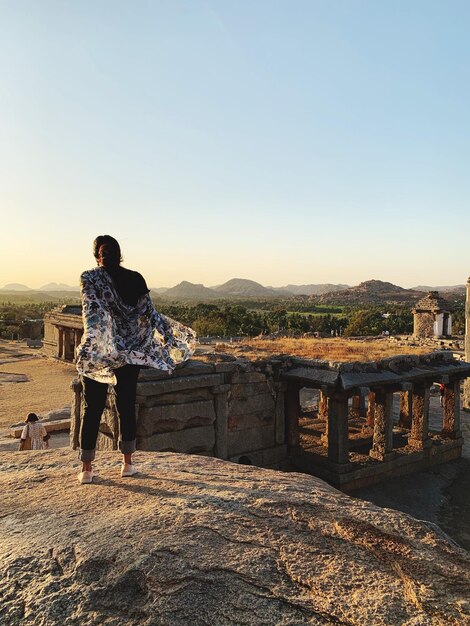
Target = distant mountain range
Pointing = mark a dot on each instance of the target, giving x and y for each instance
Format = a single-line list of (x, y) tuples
[(189, 291), (376, 292), (441, 288), (310, 290), (371, 291), (48, 287)]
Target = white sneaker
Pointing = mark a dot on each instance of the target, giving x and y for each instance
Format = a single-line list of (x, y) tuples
[(85, 478), (128, 470)]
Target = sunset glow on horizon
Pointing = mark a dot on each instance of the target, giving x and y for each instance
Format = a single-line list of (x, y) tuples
[(303, 142)]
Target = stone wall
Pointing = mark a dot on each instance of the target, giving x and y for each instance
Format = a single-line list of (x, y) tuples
[(424, 324), (63, 329), (230, 410)]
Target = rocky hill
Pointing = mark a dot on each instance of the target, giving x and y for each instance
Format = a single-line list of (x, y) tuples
[(58, 287), (189, 291), (459, 289), (15, 287), (242, 287), (198, 541), (372, 292), (310, 290)]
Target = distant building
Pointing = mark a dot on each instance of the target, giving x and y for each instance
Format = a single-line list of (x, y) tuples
[(432, 317), (63, 330), (32, 329)]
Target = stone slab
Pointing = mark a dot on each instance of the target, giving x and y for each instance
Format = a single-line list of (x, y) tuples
[(251, 420), (50, 427), (251, 404), (368, 379), (177, 383), (189, 441), (248, 377), (311, 376), (240, 391), (177, 397), (190, 368), (250, 439), (162, 419)]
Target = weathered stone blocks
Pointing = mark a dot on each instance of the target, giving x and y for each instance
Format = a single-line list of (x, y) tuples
[(160, 419), (190, 441), (249, 439)]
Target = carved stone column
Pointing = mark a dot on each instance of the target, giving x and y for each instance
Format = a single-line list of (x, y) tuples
[(419, 436), (382, 445), (66, 344), (406, 409), (451, 420), (355, 407), (60, 347), (322, 405), (280, 424), (370, 411), (292, 414), (221, 420), (338, 432)]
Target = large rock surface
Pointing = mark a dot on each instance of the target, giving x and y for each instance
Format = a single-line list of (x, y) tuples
[(200, 541)]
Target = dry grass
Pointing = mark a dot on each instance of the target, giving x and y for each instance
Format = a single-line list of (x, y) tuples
[(337, 349)]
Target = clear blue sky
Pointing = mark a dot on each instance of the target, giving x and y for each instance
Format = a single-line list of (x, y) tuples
[(299, 141)]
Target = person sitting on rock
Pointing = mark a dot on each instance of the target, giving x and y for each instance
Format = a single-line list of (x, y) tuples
[(122, 333), (34, 436)]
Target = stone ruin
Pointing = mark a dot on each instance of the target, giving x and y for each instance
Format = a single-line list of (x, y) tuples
[(63, 330), (432, 317), (251, 413)]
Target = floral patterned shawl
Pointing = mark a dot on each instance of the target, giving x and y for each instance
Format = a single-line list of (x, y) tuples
[(116, 333)]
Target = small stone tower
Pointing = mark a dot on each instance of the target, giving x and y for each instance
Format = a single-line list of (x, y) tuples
[(432, 317)]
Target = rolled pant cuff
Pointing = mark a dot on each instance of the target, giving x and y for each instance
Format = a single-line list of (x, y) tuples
[(127, 447), (86, 455)]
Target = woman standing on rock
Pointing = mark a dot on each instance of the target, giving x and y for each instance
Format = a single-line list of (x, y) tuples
[(122, 333)]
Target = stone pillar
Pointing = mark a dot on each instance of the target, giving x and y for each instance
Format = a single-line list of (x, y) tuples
[(451, 420), (382, 444), (355, 407), (370, 411), (419, 435), (448, 325), (77, 338), (280, 417), (406, 409), (66, 343), (60, 348), (221, 420), (292, 414), (338, 432), (322, 406), (364, 391)]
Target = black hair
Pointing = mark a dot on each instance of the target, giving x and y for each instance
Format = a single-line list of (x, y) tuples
[(112, 256), (32, 417)]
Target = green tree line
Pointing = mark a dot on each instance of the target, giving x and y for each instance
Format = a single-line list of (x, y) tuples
[(235, 319)]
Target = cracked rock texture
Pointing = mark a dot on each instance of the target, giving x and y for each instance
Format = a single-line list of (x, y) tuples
[(199, 541)]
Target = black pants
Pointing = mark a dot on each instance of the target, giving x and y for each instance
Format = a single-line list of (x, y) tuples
[(94, 394)]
